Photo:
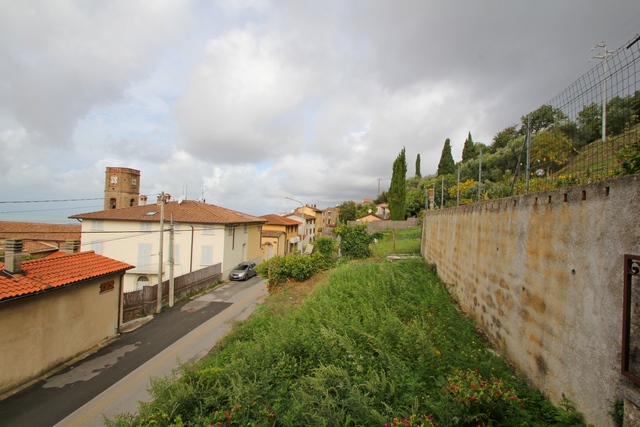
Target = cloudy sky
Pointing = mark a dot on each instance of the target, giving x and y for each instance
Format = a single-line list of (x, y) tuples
[(248, 102)]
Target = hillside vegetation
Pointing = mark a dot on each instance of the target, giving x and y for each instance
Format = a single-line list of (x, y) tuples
[(368, 343)]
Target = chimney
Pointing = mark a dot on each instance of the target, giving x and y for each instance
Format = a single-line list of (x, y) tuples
[(13, 256), (143, 200), (167, 197), (71, 246)]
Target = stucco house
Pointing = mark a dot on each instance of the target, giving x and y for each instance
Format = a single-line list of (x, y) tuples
[(315, 212), (369, 218), (203, 235), (307, 228), (54, 309), (279, 235)]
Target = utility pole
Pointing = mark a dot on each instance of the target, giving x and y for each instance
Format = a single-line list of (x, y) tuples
[(171, 281), (479, 174), (458, 195), (603, 57), (528, 151), (161, 202)]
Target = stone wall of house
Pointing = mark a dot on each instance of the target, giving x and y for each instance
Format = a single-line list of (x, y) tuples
[(543, 274)]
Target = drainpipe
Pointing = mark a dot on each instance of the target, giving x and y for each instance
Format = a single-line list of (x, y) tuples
[(191, 254), (121, 304)]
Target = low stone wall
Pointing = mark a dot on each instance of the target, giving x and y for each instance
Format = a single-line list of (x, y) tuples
[(542, 274)]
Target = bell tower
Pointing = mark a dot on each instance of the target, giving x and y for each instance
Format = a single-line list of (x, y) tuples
[(121, 188)]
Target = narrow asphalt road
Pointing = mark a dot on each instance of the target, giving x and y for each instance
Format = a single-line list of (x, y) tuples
[(114, 379)]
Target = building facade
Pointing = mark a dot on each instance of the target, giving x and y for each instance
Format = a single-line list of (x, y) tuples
[(54, 309), (203, 235)]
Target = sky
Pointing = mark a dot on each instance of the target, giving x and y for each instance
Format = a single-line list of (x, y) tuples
[(245, 103)]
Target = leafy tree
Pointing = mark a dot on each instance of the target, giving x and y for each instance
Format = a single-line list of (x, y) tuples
[(468, 151), (355, 240), (502, 138), (589, 124), (418, 174), (550, 149), (398, 189), (619, 112), (446, 164), (365, 208), (347, 212), (542, 118), (415, 201), (382, 198)]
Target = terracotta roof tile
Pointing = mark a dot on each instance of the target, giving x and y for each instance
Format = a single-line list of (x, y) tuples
[(39, 237), (272, 233), (189, 211), (46, 273), (273, 219)]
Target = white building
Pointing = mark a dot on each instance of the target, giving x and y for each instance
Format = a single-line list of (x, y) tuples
[(203, 235)]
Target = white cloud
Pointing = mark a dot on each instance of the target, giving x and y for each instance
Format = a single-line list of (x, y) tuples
[(255, 100)]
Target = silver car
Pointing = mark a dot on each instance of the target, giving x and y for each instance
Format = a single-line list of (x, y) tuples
[(243, 271)]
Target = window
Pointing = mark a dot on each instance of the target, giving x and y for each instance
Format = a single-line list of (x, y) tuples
[(112, 203), (176, 227), (107, 286), (131, 202), (142, 282), (145, 226), (207, 255), (230, 231), (96, 224), (134, 182), (144, 256), (207, 229), (246, 229)]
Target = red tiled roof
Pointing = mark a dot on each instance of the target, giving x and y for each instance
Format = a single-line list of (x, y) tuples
[(43, 274), (39, 237), (185, 212), (272, 233), (273, 219), (306, 216)]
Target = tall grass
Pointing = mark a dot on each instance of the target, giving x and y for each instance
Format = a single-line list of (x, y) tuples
[(398, 242), (373, 342)]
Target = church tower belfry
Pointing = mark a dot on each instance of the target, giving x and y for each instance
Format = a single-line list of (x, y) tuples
[(121, 188)]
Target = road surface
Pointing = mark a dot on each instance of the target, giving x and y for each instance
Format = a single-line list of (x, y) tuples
[(114, 379)]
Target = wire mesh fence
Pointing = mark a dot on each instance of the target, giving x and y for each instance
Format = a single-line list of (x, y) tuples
[(589, 131)]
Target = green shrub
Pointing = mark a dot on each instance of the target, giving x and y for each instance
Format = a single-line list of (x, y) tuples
[(355, 241), (280, 269)]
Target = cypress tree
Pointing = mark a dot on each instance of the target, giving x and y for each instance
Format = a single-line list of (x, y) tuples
[(418, 174), (446, 165), (398, 188), (468, 151)]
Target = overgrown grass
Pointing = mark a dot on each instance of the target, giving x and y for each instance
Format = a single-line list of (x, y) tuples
[(398, 242), (373, 343)]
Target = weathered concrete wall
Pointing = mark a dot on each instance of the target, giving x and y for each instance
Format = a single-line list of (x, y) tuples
[(542, 274), (40, 332)]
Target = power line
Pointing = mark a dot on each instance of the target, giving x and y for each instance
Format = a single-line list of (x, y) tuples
[(50, 201), (55, 209)]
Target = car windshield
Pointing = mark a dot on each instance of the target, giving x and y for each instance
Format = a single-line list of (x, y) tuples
[(241, 267)]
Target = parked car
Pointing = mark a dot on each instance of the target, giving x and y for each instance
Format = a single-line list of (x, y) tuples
[(243, 271)]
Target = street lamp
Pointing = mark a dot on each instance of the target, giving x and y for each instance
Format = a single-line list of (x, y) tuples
[(304, 225)]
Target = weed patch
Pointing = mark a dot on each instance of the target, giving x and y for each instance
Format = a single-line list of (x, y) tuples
[(374, 343)]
